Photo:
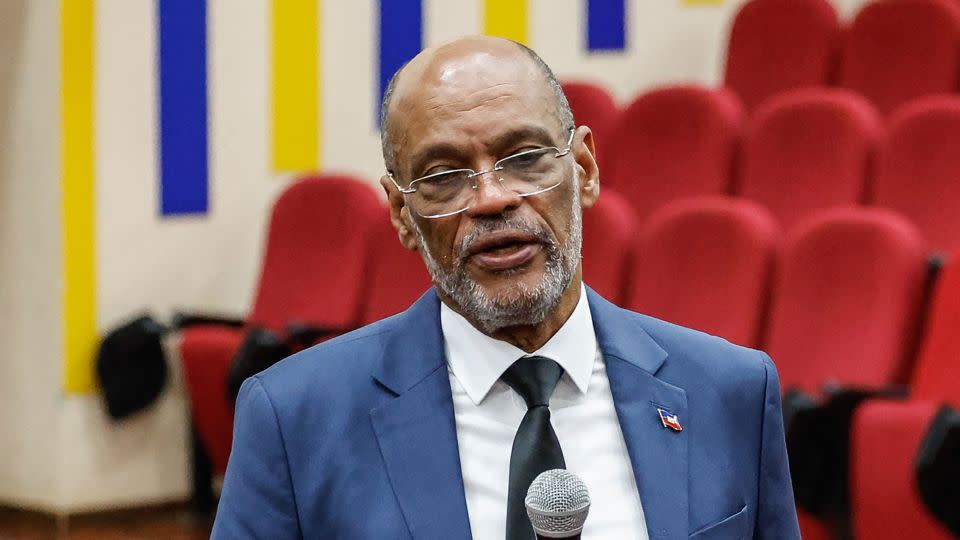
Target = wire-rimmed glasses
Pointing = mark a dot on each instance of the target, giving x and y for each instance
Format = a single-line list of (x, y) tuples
[(447, 193)]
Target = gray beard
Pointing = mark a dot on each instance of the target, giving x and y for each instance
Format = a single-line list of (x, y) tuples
[(520, 305)]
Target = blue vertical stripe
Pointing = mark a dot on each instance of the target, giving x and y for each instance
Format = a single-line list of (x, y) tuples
[(401, 38), (183, 106), (605, 25)]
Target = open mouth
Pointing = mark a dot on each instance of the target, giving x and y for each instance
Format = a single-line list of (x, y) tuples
[(503, 250)]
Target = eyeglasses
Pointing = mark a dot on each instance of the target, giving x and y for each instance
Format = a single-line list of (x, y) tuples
[(447, 193)]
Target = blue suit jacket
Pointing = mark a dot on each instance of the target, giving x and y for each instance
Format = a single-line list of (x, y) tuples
[(355, 438)]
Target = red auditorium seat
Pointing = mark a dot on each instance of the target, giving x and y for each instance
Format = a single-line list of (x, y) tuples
[(316, 248), (672, 143), (396, 276), (886, 434), (918, 168), (705, 263), (776, 45), (806, 150), (895, 51), (594, 107), (846, 299), (608, 231)]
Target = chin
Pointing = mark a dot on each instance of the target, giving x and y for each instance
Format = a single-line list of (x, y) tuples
[(511, 285)]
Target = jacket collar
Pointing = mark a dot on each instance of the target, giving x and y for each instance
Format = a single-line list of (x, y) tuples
[(417, 430)]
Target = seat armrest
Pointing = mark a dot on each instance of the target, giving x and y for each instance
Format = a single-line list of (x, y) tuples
[(301, 334), (938, 468), (818, 444), (185, 319)]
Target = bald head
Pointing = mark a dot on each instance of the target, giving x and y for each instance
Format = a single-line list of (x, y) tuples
[(480, 59)]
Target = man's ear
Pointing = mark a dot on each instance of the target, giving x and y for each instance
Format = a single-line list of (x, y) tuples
[(399, 213), (585, 154)]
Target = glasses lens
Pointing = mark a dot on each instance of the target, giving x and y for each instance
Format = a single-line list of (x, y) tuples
[(442, 193), (531, 172)]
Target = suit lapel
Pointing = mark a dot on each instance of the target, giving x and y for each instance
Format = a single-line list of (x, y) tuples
[(658, 455), (416, 431)]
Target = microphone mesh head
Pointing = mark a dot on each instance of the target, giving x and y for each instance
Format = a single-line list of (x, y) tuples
[(557, 504)]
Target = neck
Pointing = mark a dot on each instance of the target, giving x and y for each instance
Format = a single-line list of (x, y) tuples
[(529, 338)]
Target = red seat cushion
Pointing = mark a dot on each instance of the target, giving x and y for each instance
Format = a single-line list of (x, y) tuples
[(317, 248), (898, 51), (672, 143), (807, 150), (937, 377), (887, 435), (594, 107), (884, 442), (812, 528), (776, 45), (317, 245), (705, 263), (846, 300), (608, 231), (396, 277), (206, 352), (918, 168)]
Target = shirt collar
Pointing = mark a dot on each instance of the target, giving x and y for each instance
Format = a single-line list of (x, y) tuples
[(478, 360)]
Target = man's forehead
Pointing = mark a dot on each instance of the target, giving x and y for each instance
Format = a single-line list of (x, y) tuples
[(456, 71)]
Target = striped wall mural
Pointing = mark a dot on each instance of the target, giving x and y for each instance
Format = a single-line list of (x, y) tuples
[(185, 98), (77, 185), (296, 85)]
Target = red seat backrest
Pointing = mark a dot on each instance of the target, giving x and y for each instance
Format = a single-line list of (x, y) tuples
[(316, 252), (594, 107), (396, 276), (918, 168), (672, 143), (895, 51), (608, 231), (846, 300), (937, 375), (808, 149), (776, 45), (705, 263)]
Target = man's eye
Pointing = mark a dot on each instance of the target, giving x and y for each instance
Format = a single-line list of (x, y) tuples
[(437, 169), (525, 160)]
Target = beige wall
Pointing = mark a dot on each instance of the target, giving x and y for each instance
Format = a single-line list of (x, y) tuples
[(59, 452), (30, 333)]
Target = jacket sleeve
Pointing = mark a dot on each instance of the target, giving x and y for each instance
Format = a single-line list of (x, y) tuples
[(257, 501), (776, 512)]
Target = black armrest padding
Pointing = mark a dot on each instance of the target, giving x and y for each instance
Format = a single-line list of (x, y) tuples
[(818, 443), (259, 350), (183, 320), (300, 334), (938, 468)]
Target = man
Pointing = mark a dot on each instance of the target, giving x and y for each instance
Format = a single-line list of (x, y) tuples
[(431, 424)]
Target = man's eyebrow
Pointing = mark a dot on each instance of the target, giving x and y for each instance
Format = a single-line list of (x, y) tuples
[(497, 144), (522, 134), (434, 151)]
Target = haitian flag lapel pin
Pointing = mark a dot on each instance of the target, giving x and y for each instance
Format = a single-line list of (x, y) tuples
[(670, 420)]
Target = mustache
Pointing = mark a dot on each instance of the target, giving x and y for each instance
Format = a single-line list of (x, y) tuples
[(512, 223)]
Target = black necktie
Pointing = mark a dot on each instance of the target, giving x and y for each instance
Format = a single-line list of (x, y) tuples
[(535, 447)]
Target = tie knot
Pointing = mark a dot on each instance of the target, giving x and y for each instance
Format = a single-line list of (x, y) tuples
[(534, 378)]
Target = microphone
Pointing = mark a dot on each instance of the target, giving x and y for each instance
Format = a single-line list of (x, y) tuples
[(557, 504)]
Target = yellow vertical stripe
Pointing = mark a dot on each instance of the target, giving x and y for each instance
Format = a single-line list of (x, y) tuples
[(296, 85), (506, 18), (78, 206)]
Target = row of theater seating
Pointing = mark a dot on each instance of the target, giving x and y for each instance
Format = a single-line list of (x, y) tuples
[(837, 298), (892, 51), (799, 152)]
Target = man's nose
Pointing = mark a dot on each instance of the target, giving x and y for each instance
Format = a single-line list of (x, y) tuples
[(491, 196)]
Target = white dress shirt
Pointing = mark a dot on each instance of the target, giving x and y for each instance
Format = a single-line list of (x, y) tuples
[(488, 413)]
